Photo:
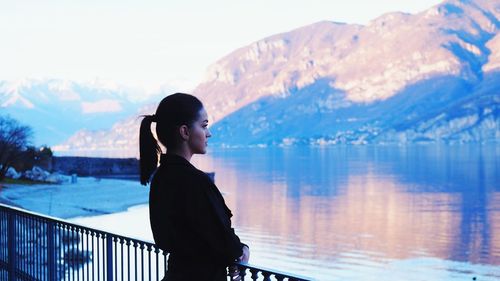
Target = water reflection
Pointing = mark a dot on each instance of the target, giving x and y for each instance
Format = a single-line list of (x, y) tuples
[(358, 211)]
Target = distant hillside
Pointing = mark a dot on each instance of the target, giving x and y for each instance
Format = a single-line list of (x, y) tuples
[(428, 77), (122, 140), (56, 109)]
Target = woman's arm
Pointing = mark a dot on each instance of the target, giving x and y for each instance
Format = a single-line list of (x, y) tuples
[(207, 217)]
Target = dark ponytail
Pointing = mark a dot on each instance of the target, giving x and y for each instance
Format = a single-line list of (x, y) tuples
[(148, 149), (173, 111)]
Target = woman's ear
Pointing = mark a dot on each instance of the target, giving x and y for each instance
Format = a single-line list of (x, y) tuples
[(184, 132)]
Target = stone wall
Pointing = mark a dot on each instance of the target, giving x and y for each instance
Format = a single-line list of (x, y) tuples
[(90, 166)]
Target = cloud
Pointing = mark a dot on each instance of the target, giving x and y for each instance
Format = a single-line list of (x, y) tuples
[(105, 105)]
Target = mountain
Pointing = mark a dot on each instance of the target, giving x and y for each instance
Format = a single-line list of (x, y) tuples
[(56, 109), (122, 140), (402, 78)]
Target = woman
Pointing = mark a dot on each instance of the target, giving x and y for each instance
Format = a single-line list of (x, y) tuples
[(188, 215)]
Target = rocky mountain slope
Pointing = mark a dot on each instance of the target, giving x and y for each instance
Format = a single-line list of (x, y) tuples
[(402, 78)]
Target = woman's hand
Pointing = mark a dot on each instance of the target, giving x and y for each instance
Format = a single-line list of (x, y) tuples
[(245, 256)]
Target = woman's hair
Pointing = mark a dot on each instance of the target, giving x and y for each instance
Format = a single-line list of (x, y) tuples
[(172, 112)]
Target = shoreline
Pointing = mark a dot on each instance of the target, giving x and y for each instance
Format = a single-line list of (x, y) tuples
[(129, 177), (90, 196)]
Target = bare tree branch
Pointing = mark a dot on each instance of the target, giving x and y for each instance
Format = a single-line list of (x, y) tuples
[(14, 139)]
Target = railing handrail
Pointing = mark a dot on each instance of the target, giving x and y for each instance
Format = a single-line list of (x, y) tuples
[(59, 220), (273, 271), (244, 266)]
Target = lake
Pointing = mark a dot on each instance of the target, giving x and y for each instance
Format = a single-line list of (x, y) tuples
[(428, 212)]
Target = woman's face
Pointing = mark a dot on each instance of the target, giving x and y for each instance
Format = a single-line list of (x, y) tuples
[(199, 134)]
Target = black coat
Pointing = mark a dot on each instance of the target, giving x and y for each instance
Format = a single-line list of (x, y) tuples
[(191, 221)]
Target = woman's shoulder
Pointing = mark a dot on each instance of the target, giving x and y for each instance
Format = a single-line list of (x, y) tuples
[(201, 176), (186, 173)]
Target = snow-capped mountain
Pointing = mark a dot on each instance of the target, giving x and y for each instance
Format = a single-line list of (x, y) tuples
[(402, 78), (56, 109)]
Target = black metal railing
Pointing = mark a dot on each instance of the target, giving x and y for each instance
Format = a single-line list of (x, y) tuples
[(37, 247)]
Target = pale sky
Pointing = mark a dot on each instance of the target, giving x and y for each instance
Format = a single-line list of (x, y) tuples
[(147, 43)]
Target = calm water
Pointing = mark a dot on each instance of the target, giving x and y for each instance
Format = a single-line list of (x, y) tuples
[(366, 213)]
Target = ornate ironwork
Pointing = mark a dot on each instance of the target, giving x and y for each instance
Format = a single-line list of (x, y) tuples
[(37, 247)]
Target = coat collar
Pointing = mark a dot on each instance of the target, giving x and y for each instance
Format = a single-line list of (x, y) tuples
[(171, 158)]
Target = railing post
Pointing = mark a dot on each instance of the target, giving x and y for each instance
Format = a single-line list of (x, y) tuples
[(109, 257), (11, 240), (51, 250)]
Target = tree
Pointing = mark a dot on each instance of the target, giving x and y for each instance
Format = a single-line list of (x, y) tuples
[(34, 156), (14, 140)]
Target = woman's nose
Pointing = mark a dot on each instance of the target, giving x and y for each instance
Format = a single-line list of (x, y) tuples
[(208, 133)]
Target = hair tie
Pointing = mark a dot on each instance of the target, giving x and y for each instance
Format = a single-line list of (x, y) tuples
[(150, 118)]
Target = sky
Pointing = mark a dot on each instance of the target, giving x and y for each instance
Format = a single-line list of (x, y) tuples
[(151, 44)]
